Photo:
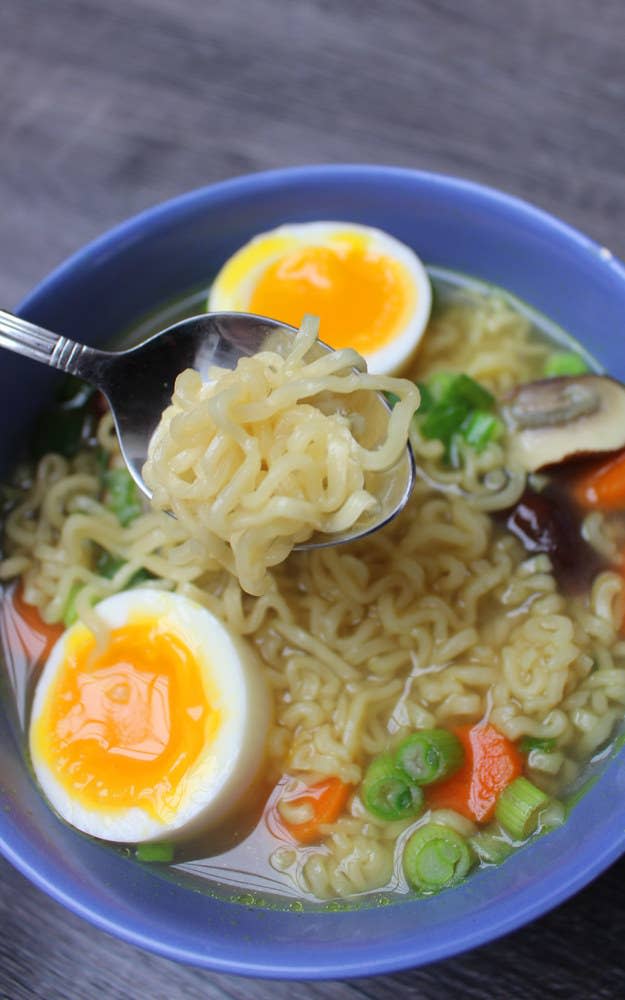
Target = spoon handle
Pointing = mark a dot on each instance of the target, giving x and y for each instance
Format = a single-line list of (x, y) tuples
[(49, 348)]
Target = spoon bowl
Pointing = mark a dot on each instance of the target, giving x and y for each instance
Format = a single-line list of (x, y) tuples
[(138, 384)]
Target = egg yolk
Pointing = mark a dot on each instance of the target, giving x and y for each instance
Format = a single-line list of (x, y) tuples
[(122, 727), (362, 298)]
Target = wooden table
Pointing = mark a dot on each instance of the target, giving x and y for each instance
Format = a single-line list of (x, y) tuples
[(108, 107)]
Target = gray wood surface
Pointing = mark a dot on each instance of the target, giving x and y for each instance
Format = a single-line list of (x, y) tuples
[(108, 107)]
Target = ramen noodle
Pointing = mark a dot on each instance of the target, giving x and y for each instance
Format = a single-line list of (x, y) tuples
[(251, 465), (441, 619)]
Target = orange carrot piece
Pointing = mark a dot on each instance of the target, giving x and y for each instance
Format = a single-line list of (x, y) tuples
[(603, 486), (326, 798), (36, 637), (491, 762)]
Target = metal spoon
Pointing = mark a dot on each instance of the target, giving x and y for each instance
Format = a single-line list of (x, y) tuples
[(138, 384)]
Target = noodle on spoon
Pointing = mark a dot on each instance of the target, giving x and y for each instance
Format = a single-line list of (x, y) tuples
[(251, 464)]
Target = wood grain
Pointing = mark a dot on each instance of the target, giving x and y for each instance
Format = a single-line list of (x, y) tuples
[(108, 107)]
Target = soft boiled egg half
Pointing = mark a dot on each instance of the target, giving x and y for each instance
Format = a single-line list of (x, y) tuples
[(370, 291), (159, 733)]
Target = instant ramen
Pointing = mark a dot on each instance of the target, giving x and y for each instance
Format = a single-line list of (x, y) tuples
[(389, 715)]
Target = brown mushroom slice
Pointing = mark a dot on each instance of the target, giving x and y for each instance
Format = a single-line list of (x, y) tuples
[(559, 420)]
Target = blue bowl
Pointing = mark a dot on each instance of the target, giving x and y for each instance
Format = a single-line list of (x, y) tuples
[(156, 257)]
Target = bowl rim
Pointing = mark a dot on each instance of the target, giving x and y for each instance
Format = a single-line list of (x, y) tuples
[(589, 862), (246, 183)]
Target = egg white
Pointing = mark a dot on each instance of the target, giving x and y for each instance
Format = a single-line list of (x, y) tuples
[(226, 768), (234, 285)]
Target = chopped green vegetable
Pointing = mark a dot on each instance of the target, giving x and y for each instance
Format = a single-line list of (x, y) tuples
[(564, 363), (70, 614), (491, 848), (122, 495), (480, 428), (444, 420), (453, 453), (471, 392), (389, 794), (439, 385), (163, 852), (436, 856), (519, 806), (391, 399), (456, 408), (545, 743), (454, 387), (429, 755)]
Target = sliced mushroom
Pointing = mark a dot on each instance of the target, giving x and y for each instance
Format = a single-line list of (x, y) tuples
[(549, 522), (562, 419)]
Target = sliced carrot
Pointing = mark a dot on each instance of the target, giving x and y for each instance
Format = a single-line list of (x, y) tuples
[(491, 762), (324, 801), (603, 485), (36, 637)]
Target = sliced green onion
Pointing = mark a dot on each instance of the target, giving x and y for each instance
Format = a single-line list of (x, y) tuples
[(454, 387), (470, 392), (429, 755), (480, 428), (387, 793), (491, 848), (391, 399), (163, 851), (564, 363), (456, 408), (453, 452), (546, 744), (436, 856), (444, 420), (122, 495), (519, 806), (439, 385), (70, 615)]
